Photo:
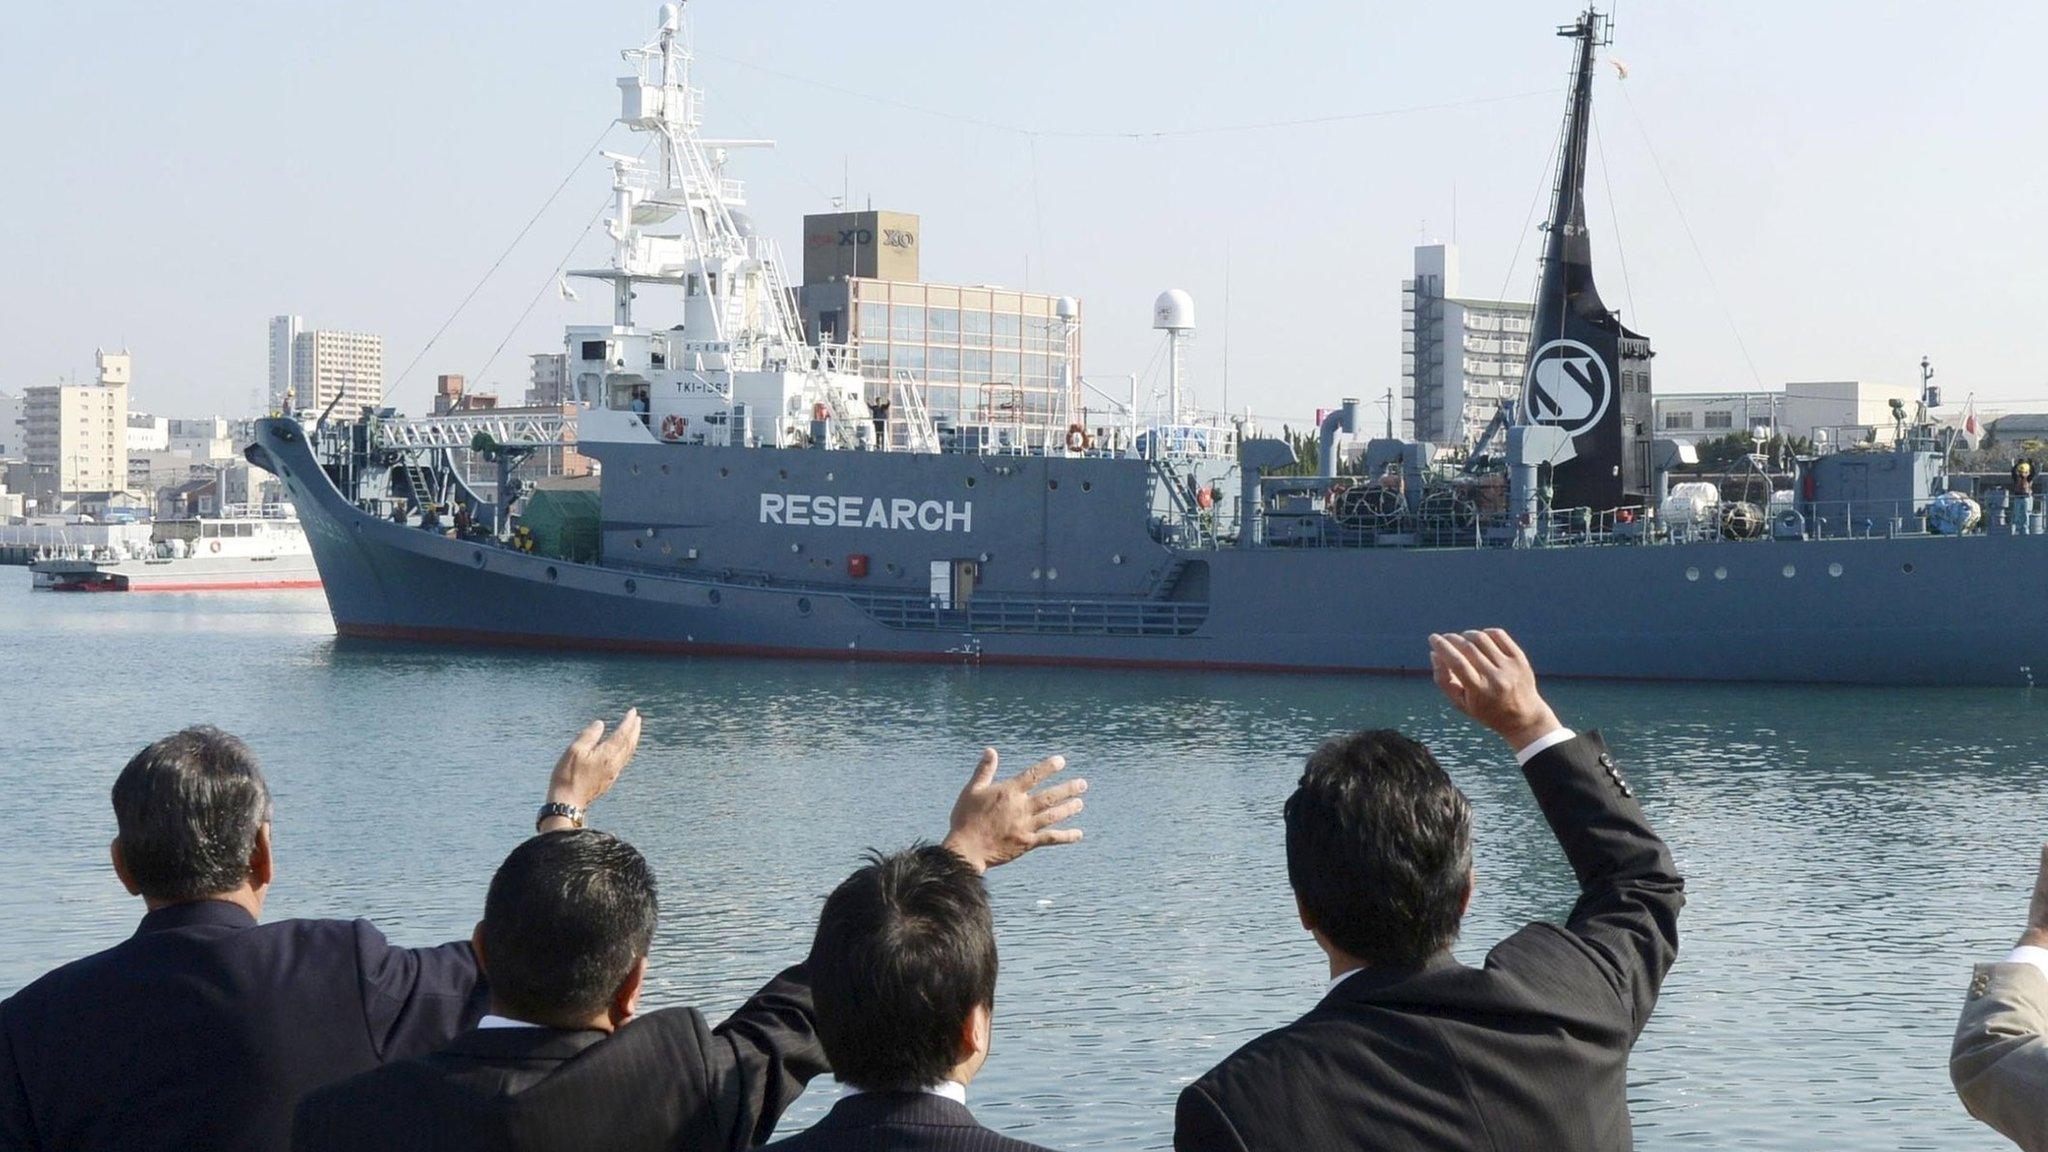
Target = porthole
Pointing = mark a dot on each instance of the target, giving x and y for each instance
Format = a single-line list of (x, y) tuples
[(634, 468), (477, 558), (664, 469), (1052, 573), (553, 575), (724, 472), (637, 543), (830, 477), (1835, 569), (1087, 486), (970, 481), (1720, 573), (803, 605), (1790, 571), (1906, 568), (1052, 485), (713, 596), (632, 588), (1692, 574), (782, 473)]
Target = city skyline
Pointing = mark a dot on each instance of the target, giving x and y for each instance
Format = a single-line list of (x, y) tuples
[(1843, 193)]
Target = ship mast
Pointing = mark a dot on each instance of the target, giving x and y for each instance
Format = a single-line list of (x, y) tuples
[(1567, 247), (1586, 375)]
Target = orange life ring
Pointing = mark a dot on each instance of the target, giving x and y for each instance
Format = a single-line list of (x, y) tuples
[(1077, 438), (673, 427), (216, 545), (1205, 498), (819, 412)]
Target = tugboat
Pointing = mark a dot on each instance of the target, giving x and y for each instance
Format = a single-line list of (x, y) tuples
[(244, 548), (760, 496)]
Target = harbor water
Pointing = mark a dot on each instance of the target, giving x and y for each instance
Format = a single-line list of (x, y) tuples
[(1848, 852)]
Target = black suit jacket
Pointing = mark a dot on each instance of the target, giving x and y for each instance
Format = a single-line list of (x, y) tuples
[(665, 1081), (1528, 1052), (899, 1122), (204, 1028)]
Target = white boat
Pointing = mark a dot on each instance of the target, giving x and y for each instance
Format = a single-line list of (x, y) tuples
[(245, 548)]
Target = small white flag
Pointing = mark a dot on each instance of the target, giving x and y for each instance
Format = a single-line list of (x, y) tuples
[(562, 286)]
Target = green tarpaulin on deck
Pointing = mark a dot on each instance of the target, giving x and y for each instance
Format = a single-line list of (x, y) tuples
[(563, 522)]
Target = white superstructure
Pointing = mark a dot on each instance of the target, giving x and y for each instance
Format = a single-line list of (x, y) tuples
[(735, 369)]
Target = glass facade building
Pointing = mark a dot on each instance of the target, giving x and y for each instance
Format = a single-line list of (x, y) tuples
[(982, 356)]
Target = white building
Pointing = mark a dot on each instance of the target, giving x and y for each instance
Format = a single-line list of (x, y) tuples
[(1830, 412), (284, 340), (550, 384), (75, 436), (10, 426), (1461, 357), (202, 438), (148, 433), (310, 368)]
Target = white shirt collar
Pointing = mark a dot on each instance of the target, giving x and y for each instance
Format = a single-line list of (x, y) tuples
[(495, 1021), (950, 1089), (1341, 977)]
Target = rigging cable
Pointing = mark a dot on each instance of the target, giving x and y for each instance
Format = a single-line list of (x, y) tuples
[(499, 262), (1690, 237), (554, 277), (1099, 134), (1628, 287)]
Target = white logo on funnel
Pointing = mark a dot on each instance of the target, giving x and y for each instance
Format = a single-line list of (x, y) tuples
[(1567, 387)]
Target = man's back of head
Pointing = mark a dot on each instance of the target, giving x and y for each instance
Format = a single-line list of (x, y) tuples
[(566, 929), (904, 972), (1379, 850), (190, 809)]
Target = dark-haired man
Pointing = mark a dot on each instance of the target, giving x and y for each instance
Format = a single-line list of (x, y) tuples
[(205, 1028), (1409, 1048), (904, 971), (563, 1061)]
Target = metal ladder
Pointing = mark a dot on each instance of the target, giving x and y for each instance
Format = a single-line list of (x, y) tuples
[(919, 434)]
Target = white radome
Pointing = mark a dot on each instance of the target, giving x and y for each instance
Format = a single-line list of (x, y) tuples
[(1174, 311), (1067, 309)]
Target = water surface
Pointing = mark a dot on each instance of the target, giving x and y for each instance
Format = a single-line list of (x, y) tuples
[(1849, 852)]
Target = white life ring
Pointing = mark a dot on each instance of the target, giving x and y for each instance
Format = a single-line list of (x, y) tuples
[(215, 546), (673, 427)]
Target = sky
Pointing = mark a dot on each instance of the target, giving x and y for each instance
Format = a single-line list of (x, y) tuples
[(1782, 191)]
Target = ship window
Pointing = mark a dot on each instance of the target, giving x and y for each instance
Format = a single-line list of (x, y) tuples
[(593, 350)]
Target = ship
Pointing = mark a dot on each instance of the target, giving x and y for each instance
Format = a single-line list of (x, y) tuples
[(759, 495), (243, 548)]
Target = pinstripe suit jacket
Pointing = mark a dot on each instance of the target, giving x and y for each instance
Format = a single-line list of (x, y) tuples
[(665, 1081), (899, 1122), (1529, 1051)]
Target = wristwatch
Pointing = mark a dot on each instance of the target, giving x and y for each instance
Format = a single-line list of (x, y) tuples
[(552, 808)]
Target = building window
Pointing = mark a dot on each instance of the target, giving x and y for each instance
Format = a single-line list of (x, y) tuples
[(1677, 421), (1720, 419)]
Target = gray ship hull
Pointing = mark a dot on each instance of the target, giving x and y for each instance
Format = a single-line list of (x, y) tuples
[(1907, 610)]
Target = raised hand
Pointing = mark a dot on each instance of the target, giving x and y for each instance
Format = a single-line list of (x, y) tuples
[(2037, 908), (591, 765), (996, 823), (1487, 677)]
